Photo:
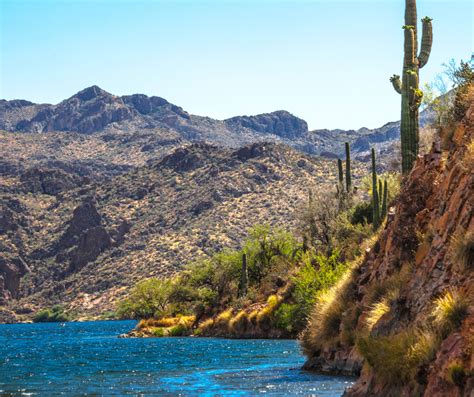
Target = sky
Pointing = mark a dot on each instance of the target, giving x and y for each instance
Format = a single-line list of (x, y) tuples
[(326, 61)]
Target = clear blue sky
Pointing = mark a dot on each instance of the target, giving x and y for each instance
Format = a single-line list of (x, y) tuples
[(327, 62)]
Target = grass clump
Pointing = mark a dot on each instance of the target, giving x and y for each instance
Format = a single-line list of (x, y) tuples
[(395, 359), (376, 312), (450, 309), (461, 249)]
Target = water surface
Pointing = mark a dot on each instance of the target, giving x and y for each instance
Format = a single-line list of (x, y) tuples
[(88, 359)]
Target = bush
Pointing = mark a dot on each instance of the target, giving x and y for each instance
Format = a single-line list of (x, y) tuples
[(54, 315), (456, 374), (179, 330), (149, 298), (317, 273), (449, 311), (158, 332), (288, 317)]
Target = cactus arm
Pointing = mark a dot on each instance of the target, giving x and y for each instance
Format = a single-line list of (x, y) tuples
[(410, 44), (397, 84), (426, 41), (411, 20)]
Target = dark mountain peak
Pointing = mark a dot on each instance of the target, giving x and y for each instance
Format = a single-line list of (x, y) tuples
[(281, 123), (91, 92), (189, 157)]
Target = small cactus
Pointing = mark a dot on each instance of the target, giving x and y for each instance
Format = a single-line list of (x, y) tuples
[(375, 195), (384, 200), (348, 168), (244, 276), (340, 171)]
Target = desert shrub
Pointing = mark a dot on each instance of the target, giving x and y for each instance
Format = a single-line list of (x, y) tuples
[(149, 298), (349, 237), (461, 249), (449, 311), (317, 273), (456, 373), (317, 220), (158, 332), (179, 330), (361, 213), (288, 317), (393, 183), (54, 315)]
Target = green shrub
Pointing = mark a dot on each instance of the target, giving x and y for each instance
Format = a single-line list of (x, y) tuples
[(54, 315), (158, 332), (361, 213), (179, 330), (289, 318), (456, 374), (149, 298)]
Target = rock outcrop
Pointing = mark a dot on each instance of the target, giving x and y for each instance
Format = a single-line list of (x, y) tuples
[(280, 123), (12, 269)]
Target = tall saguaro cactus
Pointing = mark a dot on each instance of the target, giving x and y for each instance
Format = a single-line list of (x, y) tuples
[(244, 276), (408, 87), (375, 195), (348, 168)]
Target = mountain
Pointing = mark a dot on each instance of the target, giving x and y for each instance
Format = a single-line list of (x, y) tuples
[(81, 242), (96, 115)]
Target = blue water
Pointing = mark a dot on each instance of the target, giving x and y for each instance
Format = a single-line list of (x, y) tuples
[(89, 359)]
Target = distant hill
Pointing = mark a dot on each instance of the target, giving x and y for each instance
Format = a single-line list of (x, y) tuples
[(81, 242)]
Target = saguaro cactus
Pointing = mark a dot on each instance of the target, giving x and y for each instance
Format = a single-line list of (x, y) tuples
[(384, 200), (375, 195), (348, 168), (408, 87), (340, 172), (244, 276)]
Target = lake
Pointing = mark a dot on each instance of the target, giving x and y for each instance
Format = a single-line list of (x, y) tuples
[(89, 359)]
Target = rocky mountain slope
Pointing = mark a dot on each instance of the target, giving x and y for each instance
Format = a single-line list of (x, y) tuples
[(82, 243), (153, 124), (403, 319)]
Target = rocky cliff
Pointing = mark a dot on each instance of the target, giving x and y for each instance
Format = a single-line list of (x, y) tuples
[(404, 318)]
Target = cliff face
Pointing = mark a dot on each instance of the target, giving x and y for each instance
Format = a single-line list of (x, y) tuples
[(425, 250)]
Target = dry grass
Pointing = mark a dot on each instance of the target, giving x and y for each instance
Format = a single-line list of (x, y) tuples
[(325, 320), (395, 359), (461, 249), (376, 312), (449, 311)]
